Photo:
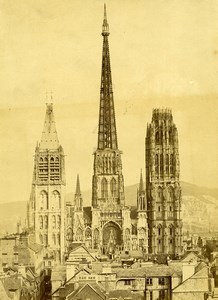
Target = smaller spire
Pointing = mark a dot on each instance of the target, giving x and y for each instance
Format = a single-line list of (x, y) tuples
[(105, 26), (141, 184), (78, 196), (78, 192)]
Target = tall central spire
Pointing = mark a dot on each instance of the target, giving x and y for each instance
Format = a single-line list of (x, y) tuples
[(107, 135)]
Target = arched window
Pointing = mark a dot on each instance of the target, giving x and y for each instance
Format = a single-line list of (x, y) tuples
[(159, 230), (46, 221), (104, 188), (58, 221), (56, 200), (167, 163), (79, 234), (43, 200), (69, 234), (156, 163), (88, 233), (53, 222), (171, 230), (52, 159), (161, 162), (157, 138), (113, 188), (171, 163), (40, 222)]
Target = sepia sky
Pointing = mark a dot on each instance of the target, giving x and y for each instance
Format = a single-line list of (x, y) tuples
[(164, 53)]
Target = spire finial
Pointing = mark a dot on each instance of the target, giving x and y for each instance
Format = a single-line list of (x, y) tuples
[(105, 26)]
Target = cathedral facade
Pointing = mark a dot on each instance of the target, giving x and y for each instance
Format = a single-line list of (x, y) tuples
[(108, 227)]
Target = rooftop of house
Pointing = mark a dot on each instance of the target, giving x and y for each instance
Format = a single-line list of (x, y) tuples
[(150, 271)]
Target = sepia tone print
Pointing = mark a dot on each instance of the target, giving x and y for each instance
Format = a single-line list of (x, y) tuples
[(118, 197)]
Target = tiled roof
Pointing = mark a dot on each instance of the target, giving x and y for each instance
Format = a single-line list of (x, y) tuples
[(149, 271), (35, 247), (85, 288), (125, 294)]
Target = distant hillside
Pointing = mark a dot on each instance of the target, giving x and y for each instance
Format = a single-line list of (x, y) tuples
[(199, 208)]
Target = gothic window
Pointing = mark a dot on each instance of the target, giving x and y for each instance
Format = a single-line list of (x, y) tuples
[(104, 188), (161, 163), (159, 230), (56, 200), (171, 163), (58, 221), (157, 138), (88, 233), (167, 163), (156, 163), (46, 221), (79, 234), (113, 188), (40, 222), (43, 200), (54, 168), (171, 230), (53, 239), (159, 208), (53, 222), (43, 169), (69, 234)]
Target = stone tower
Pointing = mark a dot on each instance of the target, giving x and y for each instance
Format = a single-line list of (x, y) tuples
[(46, 208), (110, 219), (162, 185), (142, 225)]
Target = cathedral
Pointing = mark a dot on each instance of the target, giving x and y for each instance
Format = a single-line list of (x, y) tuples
[(109, 226)]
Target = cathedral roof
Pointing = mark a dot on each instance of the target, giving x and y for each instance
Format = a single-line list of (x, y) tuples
[(49, 138)]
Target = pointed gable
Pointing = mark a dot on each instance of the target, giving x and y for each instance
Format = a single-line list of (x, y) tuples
[(49, 138), (80, 253)]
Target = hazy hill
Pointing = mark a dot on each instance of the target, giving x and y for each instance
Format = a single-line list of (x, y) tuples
[(199, 208)]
